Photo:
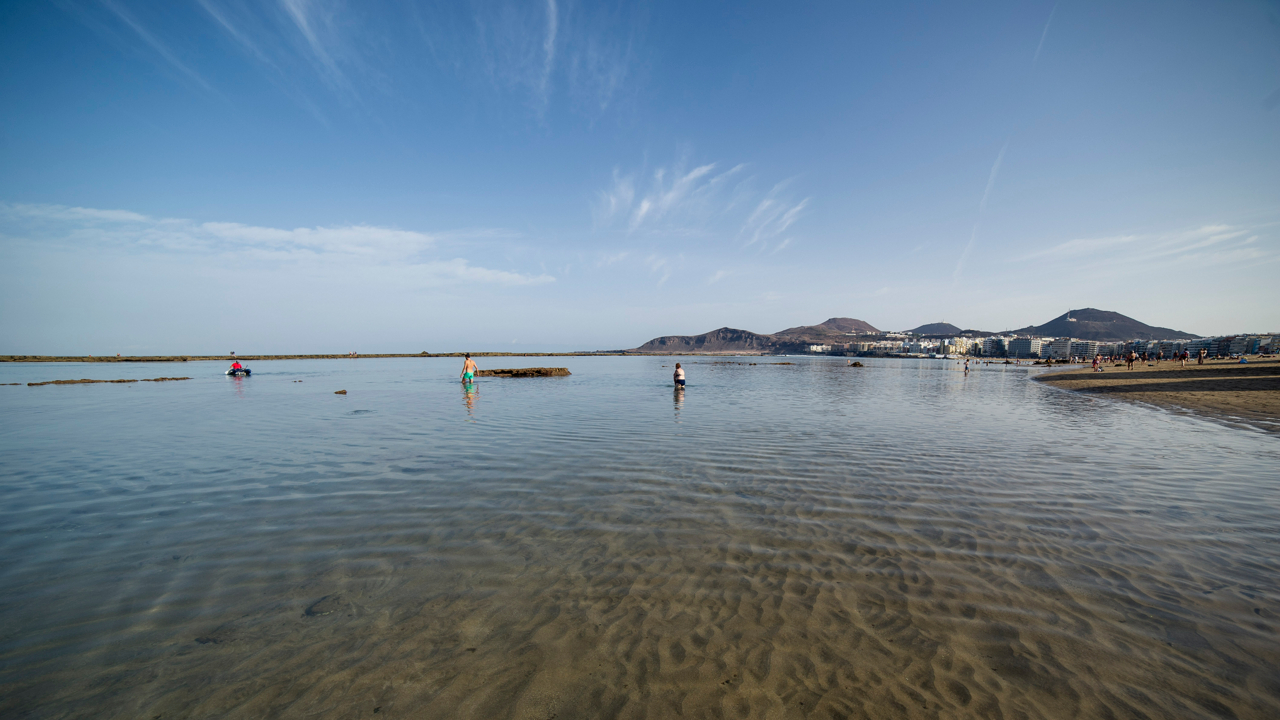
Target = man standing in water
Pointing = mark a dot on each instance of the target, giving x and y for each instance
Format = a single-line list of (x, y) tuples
[(679, 376), (469, 369)]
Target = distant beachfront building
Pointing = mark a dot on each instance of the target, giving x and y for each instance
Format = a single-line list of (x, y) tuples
[(1060, 349), (1241, 344), (1195, 346), (819, 348), (1083, 348), (1024, 347), (994, 346)]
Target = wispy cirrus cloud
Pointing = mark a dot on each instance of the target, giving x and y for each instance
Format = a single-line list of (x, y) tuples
[(982, 209), (312, 19), (1044, 34), (772, 217), (337, 247), (585, 50), (1207, 245), (549, 47), (584, 55), (699, 201), (156, 45)]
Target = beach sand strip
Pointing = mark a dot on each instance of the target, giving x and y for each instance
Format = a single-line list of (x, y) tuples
[(1224, 389)]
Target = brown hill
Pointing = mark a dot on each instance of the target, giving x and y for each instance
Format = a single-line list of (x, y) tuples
[(731, 340), (723, 340), (1101, 325), (833, 326), (938, 328)]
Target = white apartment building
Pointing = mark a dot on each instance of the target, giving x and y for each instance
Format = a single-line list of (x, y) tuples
[(1084, 348), (1024, 347), (1060, 349)]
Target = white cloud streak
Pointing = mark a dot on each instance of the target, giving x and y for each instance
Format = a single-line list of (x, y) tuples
[(335, 247), (982, 208), (516, 48), (1205, 245), (155, 44), (549, 49), (1045, 34), (698, 202)]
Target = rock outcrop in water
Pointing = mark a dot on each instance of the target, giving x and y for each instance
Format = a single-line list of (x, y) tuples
[(524, 372), (87, 381)]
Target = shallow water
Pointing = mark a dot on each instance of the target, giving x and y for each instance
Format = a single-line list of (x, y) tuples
[(806, 540)]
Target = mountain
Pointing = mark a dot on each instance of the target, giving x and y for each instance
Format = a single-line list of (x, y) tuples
[(938, 328), (723, 340), (732, 340), (833, 326), (1101, 325)]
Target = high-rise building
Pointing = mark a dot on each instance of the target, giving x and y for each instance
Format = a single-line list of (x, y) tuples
[(1024, 347), (1060, 349), (1084, 348)]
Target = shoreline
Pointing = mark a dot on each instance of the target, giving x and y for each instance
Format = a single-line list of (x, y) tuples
[(1225, 390)]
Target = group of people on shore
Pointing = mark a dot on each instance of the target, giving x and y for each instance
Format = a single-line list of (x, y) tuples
[(1132, 357)]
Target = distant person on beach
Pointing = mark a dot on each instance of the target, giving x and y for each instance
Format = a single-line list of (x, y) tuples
[(1097, 359), (678, 376), (966, 366), (469, 369), (1200, 356)]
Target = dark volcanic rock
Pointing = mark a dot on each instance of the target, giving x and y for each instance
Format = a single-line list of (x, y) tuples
[(524, 372), (325, 606), (1101, 325)]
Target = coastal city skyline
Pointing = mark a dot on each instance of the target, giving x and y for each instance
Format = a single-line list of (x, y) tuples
[(311, 176)]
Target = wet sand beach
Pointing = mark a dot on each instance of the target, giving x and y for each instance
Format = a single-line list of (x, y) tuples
[(1220, 388)]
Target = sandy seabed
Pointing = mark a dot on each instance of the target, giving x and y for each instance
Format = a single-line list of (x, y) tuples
[(812, 614)]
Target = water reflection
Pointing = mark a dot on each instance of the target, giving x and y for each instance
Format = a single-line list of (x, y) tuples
[(679, 401), (470, 391), (237, 382)]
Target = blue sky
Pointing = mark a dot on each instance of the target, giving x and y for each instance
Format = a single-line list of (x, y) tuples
[(312, 176)]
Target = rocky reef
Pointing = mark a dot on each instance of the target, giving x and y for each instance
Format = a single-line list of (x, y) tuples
[(524, 372)]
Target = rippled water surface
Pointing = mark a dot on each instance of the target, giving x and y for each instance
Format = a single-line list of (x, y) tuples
[(805, 540)]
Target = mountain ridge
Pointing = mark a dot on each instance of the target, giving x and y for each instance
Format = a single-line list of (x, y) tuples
[(1103, 326), (1084, 324)]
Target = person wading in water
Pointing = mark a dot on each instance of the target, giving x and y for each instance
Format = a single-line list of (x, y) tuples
[(469, 369)]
